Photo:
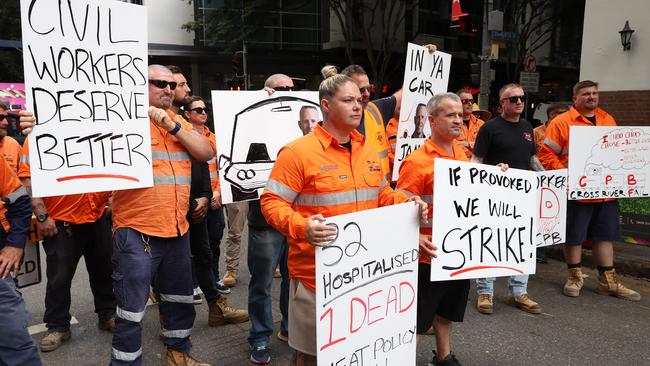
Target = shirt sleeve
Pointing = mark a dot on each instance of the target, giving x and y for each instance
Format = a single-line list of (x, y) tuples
[(18, 204), (549, 154), (386, 107), (482, 143)]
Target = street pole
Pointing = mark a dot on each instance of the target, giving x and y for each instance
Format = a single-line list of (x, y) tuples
[(245, 66), (484, 96)]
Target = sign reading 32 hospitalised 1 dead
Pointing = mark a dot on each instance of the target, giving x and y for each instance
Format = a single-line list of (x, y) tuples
[(484, 221), (609, 162), (366, 288), (86, 82)]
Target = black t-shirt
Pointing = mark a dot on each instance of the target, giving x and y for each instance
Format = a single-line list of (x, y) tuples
[(386, 107), (500, 141)]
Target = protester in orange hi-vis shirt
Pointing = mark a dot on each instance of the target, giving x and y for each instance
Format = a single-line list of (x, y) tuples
[(539, 132), (329, 172), (597, 219), (471, 123)]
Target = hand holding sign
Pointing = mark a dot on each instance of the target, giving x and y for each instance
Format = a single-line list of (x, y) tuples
[(26, 122), (161, 118), (319, 234), (427, 249), (423, 209)]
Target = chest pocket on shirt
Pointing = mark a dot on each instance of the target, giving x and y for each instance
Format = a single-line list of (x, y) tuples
[(332, 182), (372, 180)]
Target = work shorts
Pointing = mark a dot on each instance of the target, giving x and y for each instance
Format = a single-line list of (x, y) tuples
[(594, 221), (447, 299), (302, 318)]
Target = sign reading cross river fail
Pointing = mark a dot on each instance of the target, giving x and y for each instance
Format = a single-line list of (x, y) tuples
[(366, 289), (484, 221), (86, 82)]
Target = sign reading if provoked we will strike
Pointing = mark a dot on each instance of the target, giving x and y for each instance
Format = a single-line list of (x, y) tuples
[(366, 288), (86, 82)]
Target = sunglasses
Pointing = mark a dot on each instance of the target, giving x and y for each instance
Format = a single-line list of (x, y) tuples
[(467, 101), (2, 117), (162, 84), (368, 89), (515, 98), (200, 110), (284, 88)]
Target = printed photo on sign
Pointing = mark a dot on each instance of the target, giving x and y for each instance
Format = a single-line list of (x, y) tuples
[(366, 288), (552, 193), (251, 127), (609, 162), (425, 75), (86, 82), (484, 221)]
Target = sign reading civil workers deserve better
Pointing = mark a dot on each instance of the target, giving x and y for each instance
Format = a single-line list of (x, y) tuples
[(251, 127), (425, 75), (484, 221), (552, 193), (609, 162), (86, 82), (366, 288)]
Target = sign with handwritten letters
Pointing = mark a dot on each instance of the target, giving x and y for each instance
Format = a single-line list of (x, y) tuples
[(552, 193), (30, 269), (366, 288), (425, 75), (609, 162), (484, 221), (86, 82)]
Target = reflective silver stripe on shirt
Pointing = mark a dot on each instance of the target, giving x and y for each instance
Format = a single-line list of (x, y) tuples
[(128, 315), (13, 196), (214, 174), (553, 145), (375, 113), (171, 156), (172, 179), (24, 159), (178, 333), (183, 299), (340, 198), (383, 154), (281, 190), (405, 192), (126, 356)]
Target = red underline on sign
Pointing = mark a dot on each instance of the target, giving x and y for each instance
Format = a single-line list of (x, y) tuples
[(484, 267), (96, 176)]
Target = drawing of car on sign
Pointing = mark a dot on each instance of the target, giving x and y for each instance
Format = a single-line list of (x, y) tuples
[(259, 132)]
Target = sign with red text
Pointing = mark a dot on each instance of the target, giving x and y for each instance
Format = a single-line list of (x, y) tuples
[(484, 221), (609, 162), (366, 288), (552, 193), (425, 75), (86, 82)]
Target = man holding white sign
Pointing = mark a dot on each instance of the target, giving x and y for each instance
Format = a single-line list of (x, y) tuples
[(597, 219)]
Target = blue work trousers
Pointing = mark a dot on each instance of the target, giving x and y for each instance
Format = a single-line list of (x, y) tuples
[(517, 285), (16, 345), (137, 258), (216, 226)]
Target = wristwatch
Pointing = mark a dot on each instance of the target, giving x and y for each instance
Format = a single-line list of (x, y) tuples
[(41, 217)]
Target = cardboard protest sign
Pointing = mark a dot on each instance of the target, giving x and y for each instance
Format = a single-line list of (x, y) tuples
[(86, 82), (366, 288), (609, 162), (552, 193), (251, 128), (484, 221), (425, 75)]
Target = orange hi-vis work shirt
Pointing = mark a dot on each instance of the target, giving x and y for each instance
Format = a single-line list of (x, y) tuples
[(376, 135), (391, 136), (212, 163), (539, 133), (416, 176), (72, 208), (159, 210), (11, 189), (468, 133), (11, 150), (315, 175)]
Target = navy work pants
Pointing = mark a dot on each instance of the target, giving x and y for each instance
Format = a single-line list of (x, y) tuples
[(16, 345)]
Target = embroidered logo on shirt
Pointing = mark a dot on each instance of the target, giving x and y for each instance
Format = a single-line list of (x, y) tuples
[(343, 177), (326, 168), (527, 136), (373, 166)]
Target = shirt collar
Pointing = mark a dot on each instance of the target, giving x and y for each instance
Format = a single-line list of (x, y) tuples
[(326, 139)]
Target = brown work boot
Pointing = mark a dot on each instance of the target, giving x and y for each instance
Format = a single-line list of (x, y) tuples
[(107, 325), (484, 304), (525, 303), (574, 282), (177, 358), (53, 340), (608, 285), (230, 279), (220, 313)]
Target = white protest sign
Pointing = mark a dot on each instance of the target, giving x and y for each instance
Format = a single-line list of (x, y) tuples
[(86, 82), (552, 193), (251, 127), (609, 162), (425, 75), (484, 221), (366, 288), (30, 269)]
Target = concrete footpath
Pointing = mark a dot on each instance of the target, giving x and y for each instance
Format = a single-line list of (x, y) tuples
[(630, 259)]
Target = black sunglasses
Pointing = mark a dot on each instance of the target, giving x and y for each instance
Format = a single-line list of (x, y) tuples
[(2, 117), (162, 84), (200, 110), (515, 98), (366, 89), (283, 88)]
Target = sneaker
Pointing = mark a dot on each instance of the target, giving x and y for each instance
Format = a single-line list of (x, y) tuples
[(260, 355), (283, 335), (608, 285), (525, 303), (222, 289), (450, 360), (219, 313), (277, 273), (107, 325), (197, 297), (230, 279), (574, 282), (177, 358), (484, 304), (53, 340)]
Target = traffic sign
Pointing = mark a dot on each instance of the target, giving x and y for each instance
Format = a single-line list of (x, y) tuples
[(529, 81)]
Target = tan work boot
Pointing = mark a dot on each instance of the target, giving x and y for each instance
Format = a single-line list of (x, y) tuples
[(230, 279), (177, 358), (220, 313), (608, 285), (574, 282), (53, 340), (484, 304), (525, 303), (107, 325)]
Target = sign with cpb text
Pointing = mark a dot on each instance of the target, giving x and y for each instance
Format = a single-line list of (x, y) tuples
[(552, 191), (86, 82), (609, 162), (366, 289), (485, 221)]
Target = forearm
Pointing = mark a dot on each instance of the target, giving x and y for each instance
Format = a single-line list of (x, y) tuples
[(197, 145), (279, 214)]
